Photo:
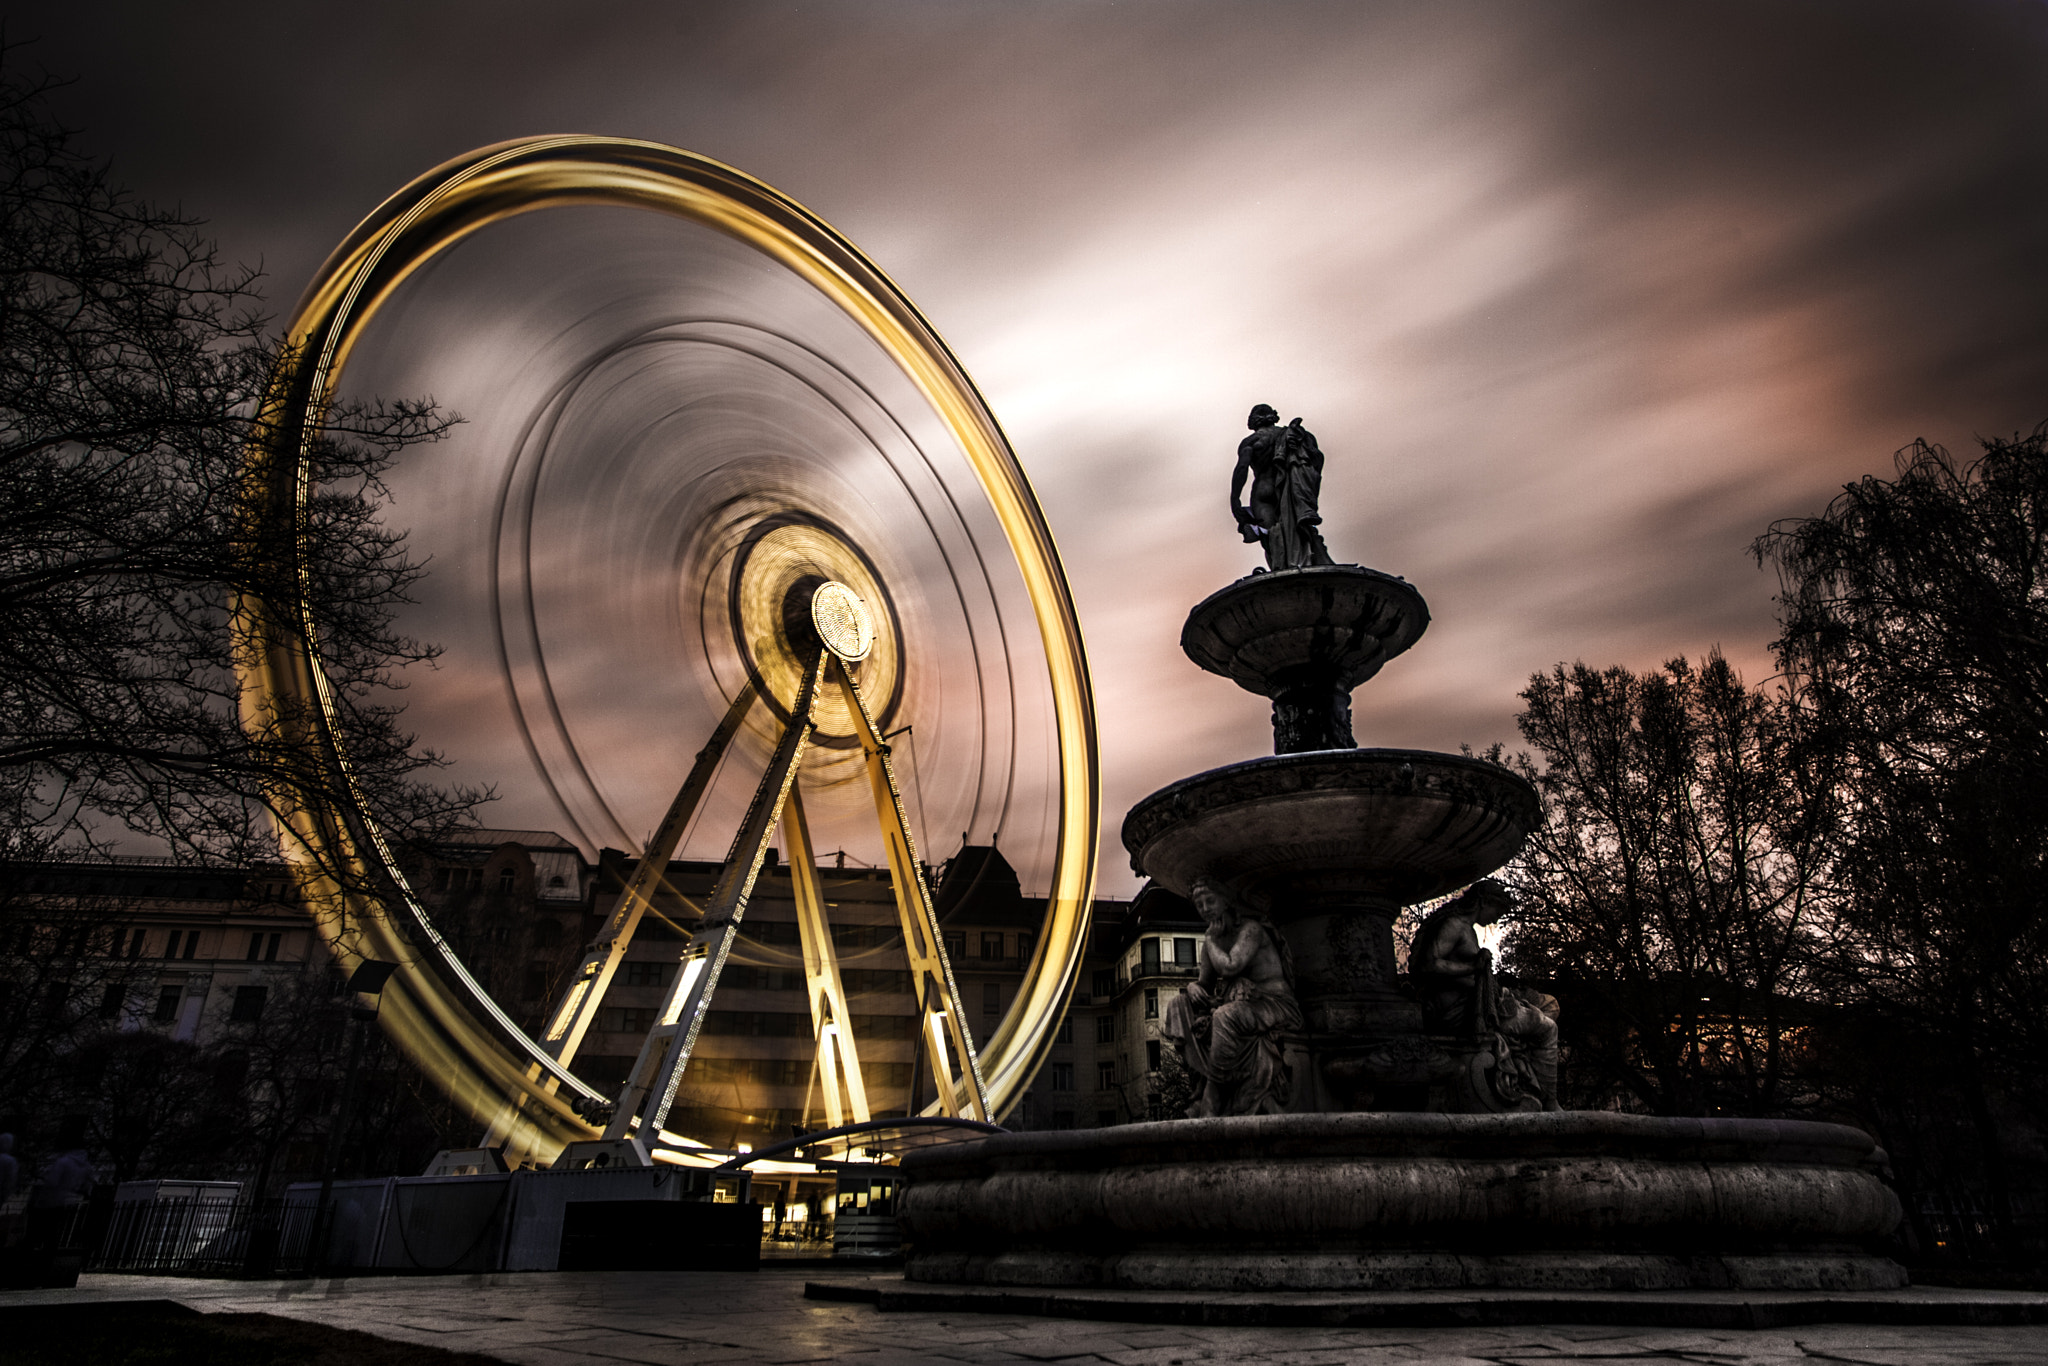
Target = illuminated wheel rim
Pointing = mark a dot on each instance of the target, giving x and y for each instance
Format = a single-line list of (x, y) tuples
[(433, 1008)]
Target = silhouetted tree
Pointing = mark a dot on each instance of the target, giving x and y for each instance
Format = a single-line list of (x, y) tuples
[(63, 982), (131, 363), (1915, 632), (1674, 891)]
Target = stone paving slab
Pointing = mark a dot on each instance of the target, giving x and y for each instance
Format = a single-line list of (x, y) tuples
[(712, 1319), (1929, 1305)]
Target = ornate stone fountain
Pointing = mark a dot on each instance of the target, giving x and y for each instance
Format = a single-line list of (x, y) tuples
[(1363, 1128)]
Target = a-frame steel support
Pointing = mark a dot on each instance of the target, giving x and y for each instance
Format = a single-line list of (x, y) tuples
[(664, 1054), (831, 1022), (945, 1043), (923, 942)]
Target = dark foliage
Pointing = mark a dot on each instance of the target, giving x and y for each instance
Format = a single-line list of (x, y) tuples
[(131, 365), (1674, 891), (1915, 635)]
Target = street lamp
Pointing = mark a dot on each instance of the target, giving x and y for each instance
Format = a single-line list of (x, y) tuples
[(366, 986)]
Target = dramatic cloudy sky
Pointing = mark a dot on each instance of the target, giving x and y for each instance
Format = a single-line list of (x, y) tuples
[(1578, 297)]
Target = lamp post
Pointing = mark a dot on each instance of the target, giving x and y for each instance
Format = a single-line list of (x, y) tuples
[(366, 986)]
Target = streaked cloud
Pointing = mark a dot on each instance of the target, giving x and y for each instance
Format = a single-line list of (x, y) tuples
[(1578, 298)]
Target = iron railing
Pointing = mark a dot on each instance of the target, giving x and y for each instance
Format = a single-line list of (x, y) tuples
[(259, 1238)]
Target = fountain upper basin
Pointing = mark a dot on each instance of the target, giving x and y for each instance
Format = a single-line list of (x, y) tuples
[(1335, 827)]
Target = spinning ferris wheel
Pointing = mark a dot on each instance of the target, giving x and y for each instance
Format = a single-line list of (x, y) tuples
[(802, 631)]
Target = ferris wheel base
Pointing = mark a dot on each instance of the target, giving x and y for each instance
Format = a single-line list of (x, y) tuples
[(598, 1153)]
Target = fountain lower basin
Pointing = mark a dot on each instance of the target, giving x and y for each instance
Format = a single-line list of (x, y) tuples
[(1573, 1201)]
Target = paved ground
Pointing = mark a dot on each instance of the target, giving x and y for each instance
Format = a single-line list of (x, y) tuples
[(687, 1319)]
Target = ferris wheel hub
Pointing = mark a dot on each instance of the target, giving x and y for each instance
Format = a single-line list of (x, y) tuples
[(842, 621)]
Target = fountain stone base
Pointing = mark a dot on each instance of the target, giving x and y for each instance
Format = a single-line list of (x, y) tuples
[(1572, 1201)]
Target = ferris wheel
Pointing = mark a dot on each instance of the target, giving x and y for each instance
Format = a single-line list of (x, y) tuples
[(804, 633)]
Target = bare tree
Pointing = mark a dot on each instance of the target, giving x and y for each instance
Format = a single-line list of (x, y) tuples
[(132, 362), (1675, 890), (1915, 630)]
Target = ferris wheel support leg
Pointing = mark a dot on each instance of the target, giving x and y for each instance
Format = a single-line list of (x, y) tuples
[(573, 1013), (649, 1095), (578, 1007), (831, 1021), (923, 943)]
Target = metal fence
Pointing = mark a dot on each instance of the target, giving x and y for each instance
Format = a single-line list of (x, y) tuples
[(203, 1237)]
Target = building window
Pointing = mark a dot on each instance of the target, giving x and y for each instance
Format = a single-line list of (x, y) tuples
[(956, 943), (1105, 1076), (991, 998), (506, 877), (1148, 956), (1063, 1076), (1025, 943), (112, 1000), (1184, 953), (992, 945), (1105, 1119), (1063, 1119), (191, 943), (548, 933), (655, 975), (135, 943), (625, 1019), (1151, 1055), (171, 944), (1105, 1029), (255, 946), (1151, 1003), (1065, 1033), (270, 954), (167, 1004), (1105, 982), (248, 1007)]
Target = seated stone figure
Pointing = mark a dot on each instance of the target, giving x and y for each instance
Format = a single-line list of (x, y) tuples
[(1227, 1023), (1463, 1002), (1452, 973)]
